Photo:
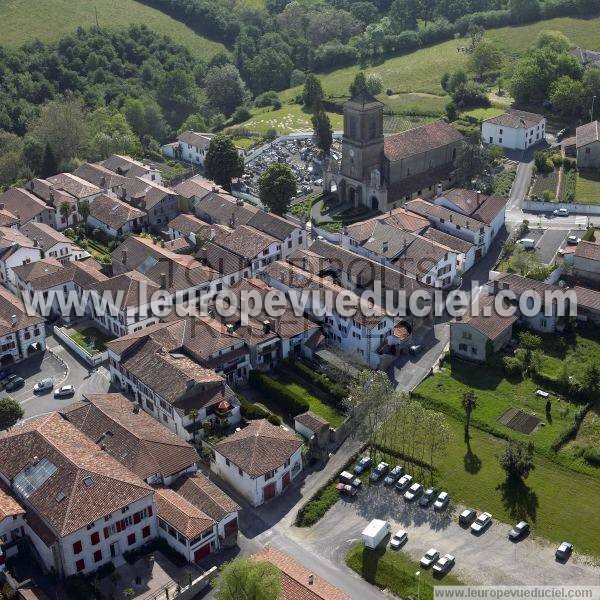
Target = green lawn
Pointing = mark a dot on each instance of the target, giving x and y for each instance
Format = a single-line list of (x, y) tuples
[(483, 113), (587, 190), (495, 395), (473, 476), (83, 338), (329, 413), (395, 571), (49, 20), (290, 118)]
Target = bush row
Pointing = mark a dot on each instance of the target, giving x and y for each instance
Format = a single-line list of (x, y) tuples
[(337, 393), (570, 433), (293, 403), (253, 411)]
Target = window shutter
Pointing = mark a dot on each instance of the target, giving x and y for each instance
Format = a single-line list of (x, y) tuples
[(137, 517), (106, 533), (95, 538), (150, 511), (77, 547)]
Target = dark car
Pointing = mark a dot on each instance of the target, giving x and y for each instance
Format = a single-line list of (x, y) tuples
[(518, 531), (363, 464), (15, 384), (564, 551), (379, 471)]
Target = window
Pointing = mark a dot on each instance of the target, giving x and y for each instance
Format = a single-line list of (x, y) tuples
[(131, 539), (98, 556), (240, 472), (474, 350), (501, 131), (466, 335), (227, 462), (80, 565), (77, 547), (462, 347), (146, 531), (500, 140), (95, 538)]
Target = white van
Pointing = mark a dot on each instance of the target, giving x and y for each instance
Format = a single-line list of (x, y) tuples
[(374, 533), (527, 243)]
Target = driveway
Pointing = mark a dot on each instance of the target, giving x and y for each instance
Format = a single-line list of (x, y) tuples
[(549, 244), (487, 559)]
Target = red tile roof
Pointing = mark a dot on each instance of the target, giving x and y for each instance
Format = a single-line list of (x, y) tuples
[(181, 514), (420, 139)]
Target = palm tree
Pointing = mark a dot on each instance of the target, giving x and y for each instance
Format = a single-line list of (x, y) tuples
[(469, 403), (194, 416), (65, 211)]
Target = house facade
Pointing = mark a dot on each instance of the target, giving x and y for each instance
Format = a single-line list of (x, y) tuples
[(587, 143), (515, 130)]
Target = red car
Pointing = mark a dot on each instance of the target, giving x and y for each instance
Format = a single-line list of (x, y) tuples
[(344, 488)]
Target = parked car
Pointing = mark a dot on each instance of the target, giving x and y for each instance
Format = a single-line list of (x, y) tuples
[(573, 240), (427, 498), (64, 391), (482, 522), (14, 384), (403, 483), (345, 488), (441, 501), (414, 491), (519, 530), (44, 385), (429, 557), (349, 479), (467, 516), (394, 475), (398, 539), (444, 564), (379, 471), (7, 378), (564, 551), (560, 212), (526, 243), (363, 464)]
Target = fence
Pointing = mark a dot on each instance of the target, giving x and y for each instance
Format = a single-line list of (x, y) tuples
[(579, 209), (93, 360)]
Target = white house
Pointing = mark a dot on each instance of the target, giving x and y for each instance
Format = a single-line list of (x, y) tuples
[(259, 461), (115, 217), (12, 525), (15, 249), (586, 261), (53, 244), (515, 129), (190, 146), (84, 509)]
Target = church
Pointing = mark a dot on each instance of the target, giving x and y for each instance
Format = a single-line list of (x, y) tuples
[(382, 172)]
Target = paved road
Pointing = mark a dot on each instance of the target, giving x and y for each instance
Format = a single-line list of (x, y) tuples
[(65, 368), (529, 562)]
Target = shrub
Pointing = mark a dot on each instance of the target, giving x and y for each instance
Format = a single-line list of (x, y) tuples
[(241, 114), (336, 391), (298, 77), (253, 411), (512, 366), (288, 400), (266, 99)]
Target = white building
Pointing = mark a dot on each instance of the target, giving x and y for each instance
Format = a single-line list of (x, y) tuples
[(53, 243), (259, 461), (16, 249), (190, 146), (115, 217), (515, 130), (12, 525), (84, 509), (129, 167)]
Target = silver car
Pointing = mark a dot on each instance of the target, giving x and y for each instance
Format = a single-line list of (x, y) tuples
[(414, 491), (430, 557), (441, 501), (482, 522), (44, 385)]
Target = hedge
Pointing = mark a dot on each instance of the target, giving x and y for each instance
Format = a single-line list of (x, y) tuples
[(293, 403), (336, 391), (253, 411)]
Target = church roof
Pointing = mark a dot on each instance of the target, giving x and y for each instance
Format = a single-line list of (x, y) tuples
[(363, 100)]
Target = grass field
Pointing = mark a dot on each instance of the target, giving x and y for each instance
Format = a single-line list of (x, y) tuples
[(49, 20), (483, 113), (290, 118), (495, 395), (473, 476), (587, 190), (83, 338), (395, 571)]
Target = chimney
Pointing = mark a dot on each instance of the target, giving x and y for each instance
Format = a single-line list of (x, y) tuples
[(124, 256), (384, 247), (304, 263), (232, 221), (229, 327), (213, 233), (266, 326), (478, 197), (51, 197), (311, 579), (438, 189), (13, 319), (163, 281), (31, 185), (214, 187), (451, 218)]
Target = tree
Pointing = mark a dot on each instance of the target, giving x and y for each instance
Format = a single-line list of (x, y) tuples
[(247, 579), (567, 95), (276, 187), (323, 130), (523, 11), (374, 83), (225, 89), (556, 41), (472, 159), (485, 58), (178, 96), (517, 459), (61, 124), (194, 415), (451, 111), (312, 94), (110, 133), (359, 84), (223, 162), (10, 413), (129, 594), (404, 15), (83, 207), (65, 210), (591, 84), (590, 382), (469, 404), (195, 122)]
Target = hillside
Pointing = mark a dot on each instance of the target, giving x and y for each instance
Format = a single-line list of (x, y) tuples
[(49, 20), (415, 78)]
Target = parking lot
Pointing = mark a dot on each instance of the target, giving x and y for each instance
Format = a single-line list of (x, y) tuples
[(300, 155), (488, 558)]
